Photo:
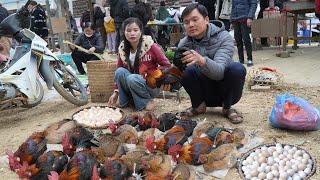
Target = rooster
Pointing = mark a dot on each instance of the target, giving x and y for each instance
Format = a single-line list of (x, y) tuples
[(156, 166), (57, 130), (76, 138), (125, 133), (109, 146), (155, 78), (29, 151), (152, 132), (217, 159), (166, 121), (202, 127), (190, 153), (131, 119), (114, 169), (224, 136), (81, 166), (133, 158), (183, 172), (178, 134), (47, 162), (148, 120)]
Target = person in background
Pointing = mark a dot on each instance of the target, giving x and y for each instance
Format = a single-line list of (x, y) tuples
[(162, 13), (73, 24), (137, 53), (211, 78), (143, 12), (317, 8), (111, 32), (3, 13), (242, 14), (209, 4), (90, 40), (85, 17), (98, 19), (38, 20), (119, 11)]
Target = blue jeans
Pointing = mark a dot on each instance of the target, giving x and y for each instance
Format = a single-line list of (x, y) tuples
[(132, 87), (223, 93)]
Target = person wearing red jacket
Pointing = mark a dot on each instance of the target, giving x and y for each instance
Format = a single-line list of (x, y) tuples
[(317, 8), (137, 54)]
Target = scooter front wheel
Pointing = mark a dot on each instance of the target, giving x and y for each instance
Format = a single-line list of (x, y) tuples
[(68, 85), (39, 96)]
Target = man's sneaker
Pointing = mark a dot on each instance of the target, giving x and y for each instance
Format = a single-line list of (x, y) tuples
[(250, 63)]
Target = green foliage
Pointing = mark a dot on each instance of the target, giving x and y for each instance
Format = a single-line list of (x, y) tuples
[(170, 55)]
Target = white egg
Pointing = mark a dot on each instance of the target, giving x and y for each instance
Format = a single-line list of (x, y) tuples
[(304, 161), (264, 148), (289, 156), (295, 168), (253, 154), (289, 178), (306, 156), (283, 175), (262, 175), (286, 147), (307, 171), (291, 151), (309, 166), (276, 160), (269, 175), (275, 173), (248, 176), (268, 169), (294, 149), (301, 166), (249, 160), (278, 145), (258, 151), (288, 163), (286, 168), (298, 152), (296, 177), (282, 163), (270, 160), (261, 160), (302, 174), (254, 173), (290, 172), (264, 165), (261, 169), (255, 158), (281, 156), (275, 154), (310, 161), (274, 167), (285, 153), (244, 163)]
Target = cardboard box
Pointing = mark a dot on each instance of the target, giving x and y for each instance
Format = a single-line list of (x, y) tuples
[(273, 27)]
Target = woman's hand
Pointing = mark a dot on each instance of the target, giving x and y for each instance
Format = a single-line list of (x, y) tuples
[(91, 50), (192, 57), (113, 99)]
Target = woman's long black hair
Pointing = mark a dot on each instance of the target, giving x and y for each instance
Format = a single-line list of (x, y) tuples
[(127, 45)]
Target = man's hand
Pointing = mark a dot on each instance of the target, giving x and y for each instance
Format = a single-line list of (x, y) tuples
[(192, 57), (165, 87), (249, 22), (91, 50), (113, 99)]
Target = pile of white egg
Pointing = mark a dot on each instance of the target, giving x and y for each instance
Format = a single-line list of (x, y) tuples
[(283, 162), (98, 116)]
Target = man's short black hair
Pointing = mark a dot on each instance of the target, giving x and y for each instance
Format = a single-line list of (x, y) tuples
[(203, 10)]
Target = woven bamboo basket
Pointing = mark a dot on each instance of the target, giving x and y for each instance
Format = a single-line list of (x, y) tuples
[(244, 156), (101, 79)]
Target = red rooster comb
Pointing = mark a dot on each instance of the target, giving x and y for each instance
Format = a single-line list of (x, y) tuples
[(174, 151), (13, 161), (112, 126), (150, 143)]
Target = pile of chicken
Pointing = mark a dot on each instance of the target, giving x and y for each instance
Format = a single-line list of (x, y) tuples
[(142, 146)]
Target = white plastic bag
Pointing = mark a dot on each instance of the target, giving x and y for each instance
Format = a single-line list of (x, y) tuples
[(226, 9)]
